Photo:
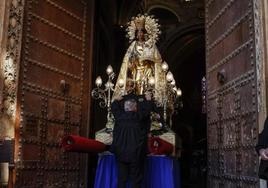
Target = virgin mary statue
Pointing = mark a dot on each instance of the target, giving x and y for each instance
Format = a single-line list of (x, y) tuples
[(142, 63)]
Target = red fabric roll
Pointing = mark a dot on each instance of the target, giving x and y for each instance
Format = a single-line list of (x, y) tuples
[(158, 146), (72, 143)]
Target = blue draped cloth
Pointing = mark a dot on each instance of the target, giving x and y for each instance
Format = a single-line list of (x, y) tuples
[(160, 172)]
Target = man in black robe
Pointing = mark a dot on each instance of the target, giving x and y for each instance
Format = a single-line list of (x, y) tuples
[(132, 124)]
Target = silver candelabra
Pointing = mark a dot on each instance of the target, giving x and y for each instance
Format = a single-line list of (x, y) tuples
[(105, 95), (170, 95), (167, 99)]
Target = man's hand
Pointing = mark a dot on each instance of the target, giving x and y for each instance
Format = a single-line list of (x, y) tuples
[(118, 98), (264, 154), (148, 96), (158, 116)]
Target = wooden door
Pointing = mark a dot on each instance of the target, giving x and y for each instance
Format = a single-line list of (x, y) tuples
[(231, 61), (53, 94)]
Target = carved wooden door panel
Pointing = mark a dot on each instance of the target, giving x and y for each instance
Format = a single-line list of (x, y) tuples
[(53, 92), (232, 93)]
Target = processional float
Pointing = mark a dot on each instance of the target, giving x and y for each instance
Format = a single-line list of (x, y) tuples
[(142, 71), (144, 68)]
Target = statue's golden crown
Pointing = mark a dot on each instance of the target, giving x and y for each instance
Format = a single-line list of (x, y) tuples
[(140, 23), (147, 22)]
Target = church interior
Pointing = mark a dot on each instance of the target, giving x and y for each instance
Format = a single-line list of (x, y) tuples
[(53, 53)]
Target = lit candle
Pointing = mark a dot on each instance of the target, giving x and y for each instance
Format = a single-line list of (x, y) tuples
[(121, 83), (151, 81), (98, 81), (164, 66), (109, 70), (179, 93), (169, 77)]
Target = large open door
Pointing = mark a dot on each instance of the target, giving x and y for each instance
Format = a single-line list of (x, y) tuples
[(233, 58), (53, 92)]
